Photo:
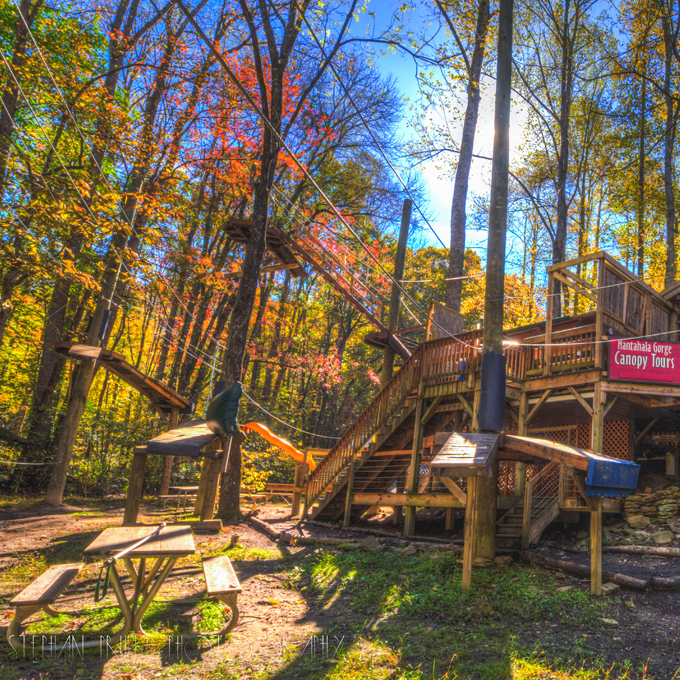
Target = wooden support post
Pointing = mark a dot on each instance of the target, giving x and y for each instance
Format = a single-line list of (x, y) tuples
[(135, 486), (198, 503), (397, 514), (168, 460), (350, 491), (214, 469), (562, 491), (469, 535), (596, 547), (207, 509), (520, 468), (597, 428), (450, 519), (549, 304), (298, 482), (599, 347), (395, 296), (414, 469), (526, 516), (486, 491)]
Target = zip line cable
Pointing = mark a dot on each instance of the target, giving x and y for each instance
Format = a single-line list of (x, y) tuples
[(293, 157), (368, 128)]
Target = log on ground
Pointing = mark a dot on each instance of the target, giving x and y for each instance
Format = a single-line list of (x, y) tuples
[(583, 570)]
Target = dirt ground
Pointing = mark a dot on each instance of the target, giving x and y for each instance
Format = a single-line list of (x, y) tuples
[(279, 620)]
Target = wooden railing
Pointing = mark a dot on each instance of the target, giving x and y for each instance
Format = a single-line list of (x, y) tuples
[(376, 416), (445, 361), (452, 359), (539, 493)]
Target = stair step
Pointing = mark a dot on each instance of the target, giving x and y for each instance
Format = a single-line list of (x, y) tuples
[(509, 529), (514, 519)]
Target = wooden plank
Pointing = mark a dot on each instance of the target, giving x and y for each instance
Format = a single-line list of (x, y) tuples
[(454, 489), (580, 482), (466, 405), (462, 453), (220, 576), (468, 536), (647, 428), (580, 280), (559, 335), (555, 381), (173, 541), (641, 388), (575, 287), (581, 401), (596, 548), (186, 440), (575, 261), (542, 448), (409, 500), (48, 586), (538, 405)]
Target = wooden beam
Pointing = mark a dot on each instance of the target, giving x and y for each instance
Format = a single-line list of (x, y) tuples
[(430, 410), (512, 412), (408, 500), (597, 427), (581, 281), (466, 405), (575, 261), (596, 548), (469, 532), (641, 389), (575, 287), (349, 494), (608, 406), (454, 489), (581, 401), (560, 453), (580, 481), (414, 469), (647, 428), (538, 405), (359, 306), (267, 268), (555, 381)]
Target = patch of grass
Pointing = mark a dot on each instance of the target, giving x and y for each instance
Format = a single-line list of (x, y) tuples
[(240, 552)]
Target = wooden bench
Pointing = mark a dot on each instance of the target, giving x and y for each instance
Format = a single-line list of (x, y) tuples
[(221, 582), (41, 594), (282, 490)]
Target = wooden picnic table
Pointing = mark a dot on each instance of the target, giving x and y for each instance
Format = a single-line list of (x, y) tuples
[(171, 543), (183, 491)]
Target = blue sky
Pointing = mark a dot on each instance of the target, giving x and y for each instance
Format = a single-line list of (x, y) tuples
[(440, 187)]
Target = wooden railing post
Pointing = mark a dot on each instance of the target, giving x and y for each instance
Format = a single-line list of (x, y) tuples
[(526, 518)]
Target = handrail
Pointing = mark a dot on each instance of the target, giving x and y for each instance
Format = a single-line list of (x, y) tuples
[(447, 360), (367, 424)]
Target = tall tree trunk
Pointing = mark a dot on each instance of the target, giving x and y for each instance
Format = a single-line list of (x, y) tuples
[(454, 289), (668, 144), (640, 250), (566, 85), (10, 97)]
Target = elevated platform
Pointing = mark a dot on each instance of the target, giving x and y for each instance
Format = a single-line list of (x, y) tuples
[(158, 393), (239, 230)]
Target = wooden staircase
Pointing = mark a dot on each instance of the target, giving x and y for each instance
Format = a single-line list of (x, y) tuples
[(522, 527)]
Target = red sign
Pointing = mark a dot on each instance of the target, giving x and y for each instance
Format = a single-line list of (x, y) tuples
[(644, 361)]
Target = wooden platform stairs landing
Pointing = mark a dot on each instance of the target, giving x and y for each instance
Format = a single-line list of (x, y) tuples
[(418, 422)]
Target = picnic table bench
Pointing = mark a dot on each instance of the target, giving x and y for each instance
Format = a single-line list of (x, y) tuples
[(284, 491), (41, 594), (221, 582)]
